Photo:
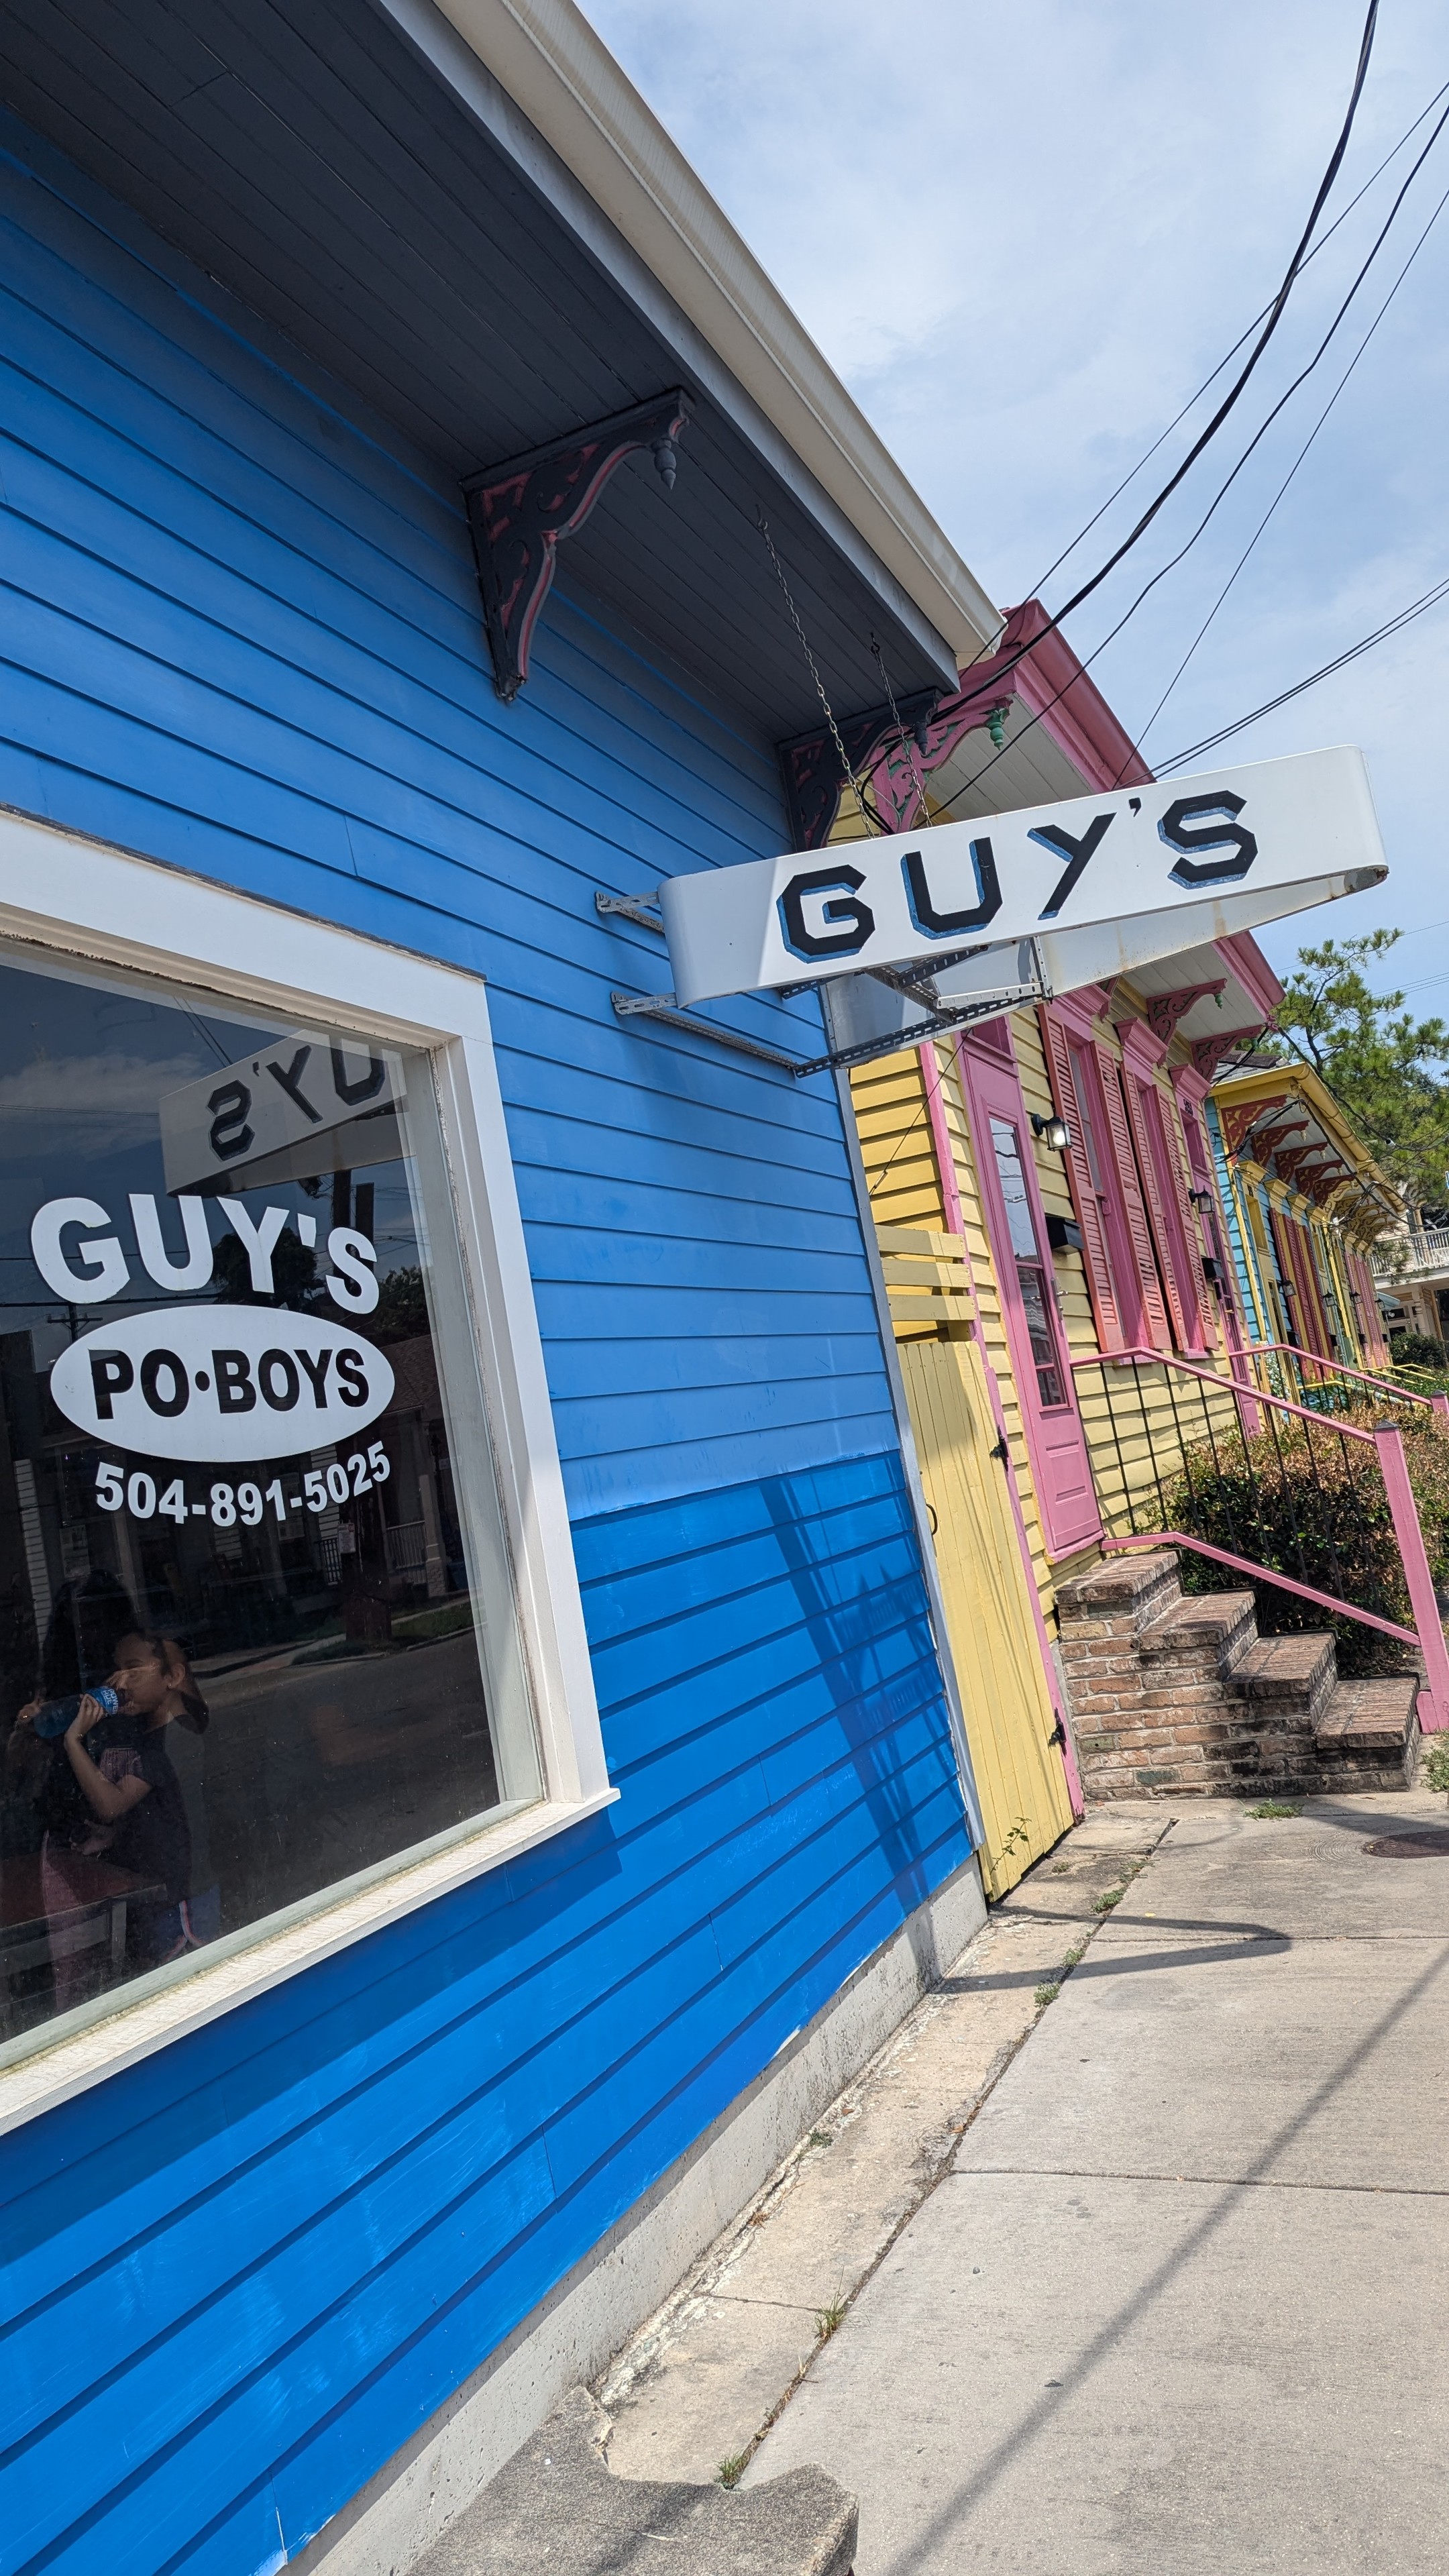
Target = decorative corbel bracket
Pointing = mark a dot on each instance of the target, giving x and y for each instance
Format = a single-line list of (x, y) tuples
[(810, 763), (1209, 1053), (1164, 1010), (1241, 1117), (520, 510)]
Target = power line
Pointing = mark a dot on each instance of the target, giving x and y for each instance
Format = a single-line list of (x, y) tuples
[(1194, 399), (1236, 389), (1391, 626), (1174, 560), (1297, 461), (1285, 397)]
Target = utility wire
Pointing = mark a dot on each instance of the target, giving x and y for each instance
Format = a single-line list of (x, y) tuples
[(1194, 399), (1133, 605), (1297, 461), (1391, 626), (1286, 396), (1240, 381)]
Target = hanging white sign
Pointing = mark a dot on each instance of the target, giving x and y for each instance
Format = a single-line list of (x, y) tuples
[(1130, 874), (223, 1383)]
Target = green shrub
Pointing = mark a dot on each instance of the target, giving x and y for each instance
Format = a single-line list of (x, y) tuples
[(1419, 1350), (1422, 1379), (1311, 1503)]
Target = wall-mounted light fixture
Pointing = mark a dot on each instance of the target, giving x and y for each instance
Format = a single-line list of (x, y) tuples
[(1201, 1199), (1052, 1131)]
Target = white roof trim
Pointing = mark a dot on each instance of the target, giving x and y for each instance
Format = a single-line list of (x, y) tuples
[(552, 65)]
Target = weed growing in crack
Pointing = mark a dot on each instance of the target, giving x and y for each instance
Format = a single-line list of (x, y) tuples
[(820, 2138), (1271, 1808), (1111, 1896), (828, 2318), (1436, 1767), (730, 2472), (1047, 1995)]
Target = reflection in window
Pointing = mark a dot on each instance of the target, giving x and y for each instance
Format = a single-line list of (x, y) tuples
[(255, 1634), (1031, 1277)]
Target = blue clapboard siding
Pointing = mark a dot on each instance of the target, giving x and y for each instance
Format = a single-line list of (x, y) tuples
[(241, 636), (244, 2271), (240, 632)]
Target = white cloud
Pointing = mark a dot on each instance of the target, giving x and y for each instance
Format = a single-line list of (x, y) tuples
[(1025, 235)]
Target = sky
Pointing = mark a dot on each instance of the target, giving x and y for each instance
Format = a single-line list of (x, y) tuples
[(1025, 236)]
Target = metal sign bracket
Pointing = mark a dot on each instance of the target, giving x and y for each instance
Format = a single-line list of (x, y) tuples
[(914, 983)]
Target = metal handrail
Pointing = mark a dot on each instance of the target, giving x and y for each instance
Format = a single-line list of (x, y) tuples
[(1281, 1582), (1427, 1251), (1381, 1385), (1138, 1353), (1387, 1441)]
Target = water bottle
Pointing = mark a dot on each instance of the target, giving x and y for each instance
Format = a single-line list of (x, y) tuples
[(58, 1714)]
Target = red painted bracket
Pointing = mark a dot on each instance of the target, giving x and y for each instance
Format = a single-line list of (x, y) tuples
[(519, 512), (810, 764)]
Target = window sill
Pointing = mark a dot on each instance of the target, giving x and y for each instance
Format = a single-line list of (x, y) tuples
[(175, 2001)]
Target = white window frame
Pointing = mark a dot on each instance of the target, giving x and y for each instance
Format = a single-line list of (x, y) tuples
[(100, 905)]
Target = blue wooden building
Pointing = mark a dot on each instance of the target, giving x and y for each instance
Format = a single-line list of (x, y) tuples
[(537, 1788)]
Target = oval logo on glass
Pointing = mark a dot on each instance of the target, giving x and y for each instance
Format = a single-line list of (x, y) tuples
[(230, 1383)]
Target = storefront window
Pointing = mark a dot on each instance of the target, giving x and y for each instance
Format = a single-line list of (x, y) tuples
[(245, 1487)]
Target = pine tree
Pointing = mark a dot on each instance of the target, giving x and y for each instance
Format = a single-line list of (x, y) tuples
[(1386, 1068)]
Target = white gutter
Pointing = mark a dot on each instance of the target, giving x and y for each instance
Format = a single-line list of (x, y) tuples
[(548, 60)]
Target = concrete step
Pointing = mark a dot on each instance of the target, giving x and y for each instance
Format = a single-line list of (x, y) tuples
[(1297, 1672), (1369, 1717), (1222, 1622)]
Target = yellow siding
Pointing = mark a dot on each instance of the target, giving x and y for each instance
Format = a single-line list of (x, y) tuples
[(894, 1125)]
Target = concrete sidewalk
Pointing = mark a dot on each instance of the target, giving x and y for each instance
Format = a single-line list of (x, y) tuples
[(1179, 2305), (697, 2386)]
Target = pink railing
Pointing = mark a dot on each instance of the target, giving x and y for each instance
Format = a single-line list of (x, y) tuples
[(1312, 1364), (1195, 1462)]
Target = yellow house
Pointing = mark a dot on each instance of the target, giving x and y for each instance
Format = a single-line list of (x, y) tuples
[(1304, 1202), (1045, 1195)]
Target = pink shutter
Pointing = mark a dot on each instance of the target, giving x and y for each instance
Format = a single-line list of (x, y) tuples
[(1196, 1304), (1101, 1286), (1156, 1329), (1139, 1119)]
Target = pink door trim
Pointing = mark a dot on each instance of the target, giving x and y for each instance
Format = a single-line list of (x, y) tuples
[(1054, 1436)]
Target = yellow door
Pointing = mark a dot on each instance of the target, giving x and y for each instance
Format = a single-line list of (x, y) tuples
[(1009, 1717)]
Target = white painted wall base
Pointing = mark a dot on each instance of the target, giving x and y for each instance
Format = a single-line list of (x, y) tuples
[(574, 2333)]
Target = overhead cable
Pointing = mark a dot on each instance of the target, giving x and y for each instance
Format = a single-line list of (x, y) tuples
[(1225, 487), (1391, 626), (1194, 399), (1297, 461), (1240, 381)]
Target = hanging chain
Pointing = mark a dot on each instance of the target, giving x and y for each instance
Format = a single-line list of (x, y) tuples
[(847, 773), (908, 740)]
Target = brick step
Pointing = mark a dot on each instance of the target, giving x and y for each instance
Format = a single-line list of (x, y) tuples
[(1297, 1672), (1370, 1717), (1367, 1735), (1221, 1622), (1178, 1694)]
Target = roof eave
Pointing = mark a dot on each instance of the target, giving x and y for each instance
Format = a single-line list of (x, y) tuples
[(623, 185)]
